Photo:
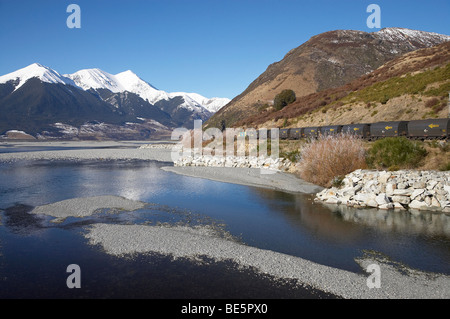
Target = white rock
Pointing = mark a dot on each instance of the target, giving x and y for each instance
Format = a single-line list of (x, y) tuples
[(372, 203), (403, 192), (401, 199), (418, 205), (447, 188), (384, 177), (398, 206), (435, 202), (416, 193), (333, 200), (382, 199), (390, 187), (363, 197), (386, 206)]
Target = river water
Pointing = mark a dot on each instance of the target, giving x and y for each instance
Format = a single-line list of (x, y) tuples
[(34, 253)]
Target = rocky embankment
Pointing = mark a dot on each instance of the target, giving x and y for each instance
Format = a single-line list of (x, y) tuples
[(279, 164), (406, 189)]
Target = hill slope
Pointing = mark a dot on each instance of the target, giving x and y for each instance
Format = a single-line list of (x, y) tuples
[(415, 85), (328, 60)]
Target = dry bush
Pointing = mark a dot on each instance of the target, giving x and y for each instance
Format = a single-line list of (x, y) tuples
[(329, 157), (431, 102)]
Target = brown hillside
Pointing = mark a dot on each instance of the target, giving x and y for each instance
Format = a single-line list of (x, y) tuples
[(412, 86), (328, 60)]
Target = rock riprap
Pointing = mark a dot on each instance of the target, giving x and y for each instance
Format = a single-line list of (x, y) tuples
[(404, 189), (279, 164)]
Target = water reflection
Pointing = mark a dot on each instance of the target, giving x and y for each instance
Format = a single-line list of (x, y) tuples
[(411, 222), (342, 222), (418, 239)]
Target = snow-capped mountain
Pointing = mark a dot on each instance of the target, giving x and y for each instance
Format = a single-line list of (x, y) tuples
[(96, 79), (35, 70), (121, 82), (413, 37), (125, 81), (129, 81), (40, 101)]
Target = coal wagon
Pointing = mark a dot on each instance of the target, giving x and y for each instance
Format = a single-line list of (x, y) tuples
[(429, 129), (388, 129), (310, 132), (361, 130), (330, 130), (284, 133), (295, 133)]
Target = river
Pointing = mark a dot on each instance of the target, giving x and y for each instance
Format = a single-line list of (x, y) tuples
[(34, 252)]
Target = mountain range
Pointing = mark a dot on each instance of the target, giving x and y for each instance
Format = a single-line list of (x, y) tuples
[(337, 72), (92, 103), (328, 60)]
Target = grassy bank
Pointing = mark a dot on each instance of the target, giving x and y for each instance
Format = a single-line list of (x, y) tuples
[(325, 161)]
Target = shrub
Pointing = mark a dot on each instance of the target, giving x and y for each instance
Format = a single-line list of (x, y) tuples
[(445, 167), (293, 156), (284, 98), (431, 102), (333, 156), (395, 152)]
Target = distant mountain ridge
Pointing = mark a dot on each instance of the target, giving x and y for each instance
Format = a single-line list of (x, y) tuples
[(36, 97), (328, 60)]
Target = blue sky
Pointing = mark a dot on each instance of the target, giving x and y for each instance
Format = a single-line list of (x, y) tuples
[(212, 47)]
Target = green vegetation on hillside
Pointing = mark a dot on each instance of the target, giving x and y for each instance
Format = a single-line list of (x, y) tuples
[(409, 84), (284, 98), (395, 152)]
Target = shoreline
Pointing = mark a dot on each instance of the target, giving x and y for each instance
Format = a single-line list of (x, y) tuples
[(254, 177), (105, 151)]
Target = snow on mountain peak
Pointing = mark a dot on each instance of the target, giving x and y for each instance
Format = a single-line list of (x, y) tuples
[(129, 81), (125, 81), (133, 83), (45, 74), (403, 34), (96, 79)]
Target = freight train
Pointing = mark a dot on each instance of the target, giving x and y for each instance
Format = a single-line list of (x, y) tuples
[(416, 129)]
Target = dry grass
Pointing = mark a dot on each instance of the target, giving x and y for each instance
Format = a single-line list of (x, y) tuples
[(329, 157)]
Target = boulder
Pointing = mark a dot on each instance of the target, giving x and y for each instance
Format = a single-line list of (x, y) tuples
[(401, 199), (415, 204), (382, 199)]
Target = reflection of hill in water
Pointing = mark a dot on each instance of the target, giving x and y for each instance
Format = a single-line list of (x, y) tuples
[(344, 223), (420, 223)]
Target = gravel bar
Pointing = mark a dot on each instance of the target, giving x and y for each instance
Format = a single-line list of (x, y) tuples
[(187, 242), (82, 207), (157, 154), (249, 176)]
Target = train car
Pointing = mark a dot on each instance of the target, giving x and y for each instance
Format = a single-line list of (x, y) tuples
[(362, 130), (331, 130), (264, 133), (295, 133), (250, 133), (426, 129), (310, 132), (284, 133), (388, 129)]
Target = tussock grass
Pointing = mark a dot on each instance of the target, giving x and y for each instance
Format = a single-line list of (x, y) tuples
[(328, 157)]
